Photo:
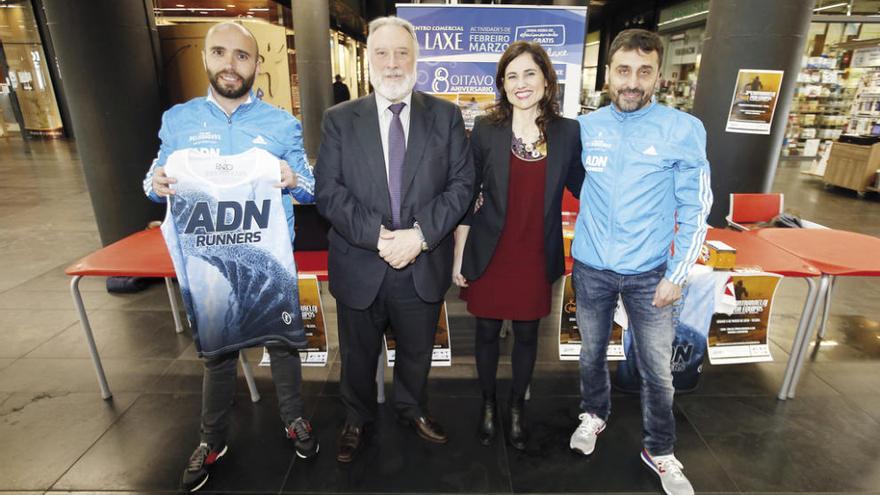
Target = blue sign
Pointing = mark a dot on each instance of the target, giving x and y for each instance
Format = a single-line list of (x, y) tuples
[(460, 46)]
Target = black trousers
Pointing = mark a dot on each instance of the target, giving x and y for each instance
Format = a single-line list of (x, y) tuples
[(218, 389), (414, 323)]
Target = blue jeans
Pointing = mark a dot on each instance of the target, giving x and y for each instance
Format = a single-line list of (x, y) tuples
[(597, 292)]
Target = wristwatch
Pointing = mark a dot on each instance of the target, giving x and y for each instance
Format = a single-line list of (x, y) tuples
[(419, 230)]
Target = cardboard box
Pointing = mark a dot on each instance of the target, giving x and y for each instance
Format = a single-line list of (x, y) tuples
[(719, 255)]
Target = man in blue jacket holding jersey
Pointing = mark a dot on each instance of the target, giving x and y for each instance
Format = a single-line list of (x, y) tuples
[(231, 120), (647, 188)]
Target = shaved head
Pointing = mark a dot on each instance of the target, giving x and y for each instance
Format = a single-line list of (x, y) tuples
[(232, 26), (232, 60)]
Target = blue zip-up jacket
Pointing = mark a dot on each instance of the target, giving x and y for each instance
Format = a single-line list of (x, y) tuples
[(646, 172), (201, 123)]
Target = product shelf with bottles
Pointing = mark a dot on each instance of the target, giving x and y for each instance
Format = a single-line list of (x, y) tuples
[(820, 108)]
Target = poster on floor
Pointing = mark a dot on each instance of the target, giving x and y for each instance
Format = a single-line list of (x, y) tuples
[(442, 354), (315, 354), (570, 335), (741, 335), (460, 46), (754, 101)]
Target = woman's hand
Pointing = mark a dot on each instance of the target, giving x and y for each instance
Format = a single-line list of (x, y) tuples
[(457, 278), (460, 235)]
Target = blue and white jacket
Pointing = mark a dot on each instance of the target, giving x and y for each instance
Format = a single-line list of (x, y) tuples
[(202, 124), (646, 173)]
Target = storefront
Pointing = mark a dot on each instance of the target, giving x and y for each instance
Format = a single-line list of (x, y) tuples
[(26, 80), (591, 97), (825, 104), (682, 28), (182, 29), (349, 61)]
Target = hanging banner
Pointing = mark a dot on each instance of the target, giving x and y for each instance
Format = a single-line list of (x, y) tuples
[(742, 335), (570, 335), (442, 354), (460, 46), (315, 354), (754, 101)]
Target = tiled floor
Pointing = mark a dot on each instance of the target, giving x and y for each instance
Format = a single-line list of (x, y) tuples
[(57, 435)]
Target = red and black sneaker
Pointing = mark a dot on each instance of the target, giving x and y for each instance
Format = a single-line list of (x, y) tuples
[(199, 467), (304, 441)]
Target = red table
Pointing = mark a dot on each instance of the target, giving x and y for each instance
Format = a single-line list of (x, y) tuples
[(752, 251), (144, 254), (836, 253)]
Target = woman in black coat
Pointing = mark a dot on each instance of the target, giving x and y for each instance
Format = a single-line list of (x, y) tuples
[(508, 250)]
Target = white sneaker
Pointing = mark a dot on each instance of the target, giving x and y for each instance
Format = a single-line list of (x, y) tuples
[(668, 468), (584, 437)]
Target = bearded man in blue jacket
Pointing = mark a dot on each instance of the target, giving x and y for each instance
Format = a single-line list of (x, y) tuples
[(647, 188), (231, 120)]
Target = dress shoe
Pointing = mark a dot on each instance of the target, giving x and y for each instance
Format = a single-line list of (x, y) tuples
[(518, 434), (351, 439), (487, 428), (429, 429)]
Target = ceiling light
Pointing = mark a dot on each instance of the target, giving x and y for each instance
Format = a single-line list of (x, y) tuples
[(192, 9), (832, 6), (682, 18)]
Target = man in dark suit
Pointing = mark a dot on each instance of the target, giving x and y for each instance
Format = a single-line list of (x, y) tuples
[(394, 177)]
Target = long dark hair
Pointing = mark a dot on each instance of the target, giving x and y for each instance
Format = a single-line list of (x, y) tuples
[(548, 107)]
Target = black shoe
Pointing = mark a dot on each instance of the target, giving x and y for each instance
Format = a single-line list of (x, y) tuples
[(351, 439), (518, 434), (201, 462), (304, 441), (429, 429), (487, 430)]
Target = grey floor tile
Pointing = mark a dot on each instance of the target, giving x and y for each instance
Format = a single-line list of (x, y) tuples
[(59, 375), (44, 434), (148, 447), (25, 330), (120, 334), (807, 444), (852, 379)]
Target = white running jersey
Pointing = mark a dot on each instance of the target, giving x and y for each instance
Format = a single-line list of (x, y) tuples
[(228, 237)]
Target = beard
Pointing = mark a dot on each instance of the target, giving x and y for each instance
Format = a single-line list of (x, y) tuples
[(231, 92), (629, 105), (393, 91)]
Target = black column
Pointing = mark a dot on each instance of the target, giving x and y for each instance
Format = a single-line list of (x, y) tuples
[(747, 34), (108, 67), (314, 69)]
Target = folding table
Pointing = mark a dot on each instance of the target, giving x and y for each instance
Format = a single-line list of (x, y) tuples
[(144, 254), (836, 253), (752, 251)]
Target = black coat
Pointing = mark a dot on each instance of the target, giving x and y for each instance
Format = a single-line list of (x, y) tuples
[(352, 193), (490, 145)]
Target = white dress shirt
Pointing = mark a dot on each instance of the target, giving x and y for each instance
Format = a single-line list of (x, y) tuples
[(385, 116)]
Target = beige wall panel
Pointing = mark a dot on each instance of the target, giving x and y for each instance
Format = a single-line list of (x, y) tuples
[(184, 70)]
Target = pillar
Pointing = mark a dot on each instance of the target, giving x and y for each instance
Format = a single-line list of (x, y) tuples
[(311, 24), (107, 62), (747, 34)]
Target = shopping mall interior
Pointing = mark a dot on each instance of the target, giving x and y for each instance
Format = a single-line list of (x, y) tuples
[(82, 91)]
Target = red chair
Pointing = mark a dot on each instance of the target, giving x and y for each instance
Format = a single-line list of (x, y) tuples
[(569, 202), (746, 210)]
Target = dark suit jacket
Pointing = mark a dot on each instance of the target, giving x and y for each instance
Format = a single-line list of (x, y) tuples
[(352, 193), (491, 148)]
